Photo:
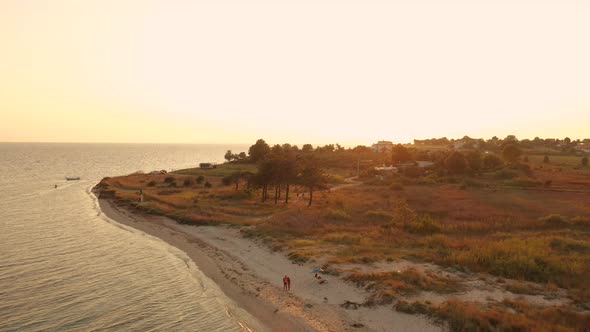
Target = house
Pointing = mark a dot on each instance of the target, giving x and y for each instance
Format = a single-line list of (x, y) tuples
[(207, 165), (382, 146), (584, 147), (386, 169)]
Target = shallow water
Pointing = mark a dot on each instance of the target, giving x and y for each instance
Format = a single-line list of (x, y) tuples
[(64, 266)]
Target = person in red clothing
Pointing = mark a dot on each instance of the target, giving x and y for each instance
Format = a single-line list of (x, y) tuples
[(288, 284), (285, 278)]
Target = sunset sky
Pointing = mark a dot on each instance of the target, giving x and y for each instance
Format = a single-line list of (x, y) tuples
[(302, 71)]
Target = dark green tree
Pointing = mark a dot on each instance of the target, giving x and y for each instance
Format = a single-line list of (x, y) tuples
[(511, 153), (258, 151), (491, 161), (473, 158), (312, 177), (229, 156), (400, 154), (455, 163), (307, 148)]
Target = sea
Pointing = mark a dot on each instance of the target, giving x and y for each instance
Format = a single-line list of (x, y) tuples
[(65, 266)]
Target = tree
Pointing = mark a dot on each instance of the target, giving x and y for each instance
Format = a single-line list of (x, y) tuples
[(456, 163), (258, 151), (584, 161), (265, 176), (307, 148), (276, 150), (399, 154), (242, 156), (289, 172), (235, 178), (511, 153), (229, 156), (491, 161), (473, 159), (312, 177)]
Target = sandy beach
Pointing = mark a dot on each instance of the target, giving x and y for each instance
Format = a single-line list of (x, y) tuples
[(251, 275)]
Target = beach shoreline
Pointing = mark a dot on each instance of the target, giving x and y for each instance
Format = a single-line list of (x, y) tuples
[(251, 274)]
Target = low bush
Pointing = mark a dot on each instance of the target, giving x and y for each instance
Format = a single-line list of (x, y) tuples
[(523, 182), (151, 184), (343, 239), (567, 245), (335, 214), (581, 221), (505, 174), (423, 224), (378, 215), (169, 179), (208, 185), (554, 220)]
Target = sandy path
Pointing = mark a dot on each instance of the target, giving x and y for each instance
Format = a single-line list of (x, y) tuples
[(251, 275)]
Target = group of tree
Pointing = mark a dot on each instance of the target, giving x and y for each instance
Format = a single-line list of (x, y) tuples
[(566, 145), (281, 166), (235, 157)]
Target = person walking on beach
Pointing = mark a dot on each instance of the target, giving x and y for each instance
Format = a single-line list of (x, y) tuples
[(285, 278), (288, 284)]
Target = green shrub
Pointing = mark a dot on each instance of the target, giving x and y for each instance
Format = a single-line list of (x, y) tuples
[(554, 220), (505, 174), (581, 221), (412, 308), (423, 224), (336, 214), (343, 239), (297, 257), (200, 179), (379, 215), (523, 182), (567, 245), (236, 195), (208, 185)]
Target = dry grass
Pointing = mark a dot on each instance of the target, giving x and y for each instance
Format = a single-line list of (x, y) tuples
[(386, 286), (508, 316), (470, 224)]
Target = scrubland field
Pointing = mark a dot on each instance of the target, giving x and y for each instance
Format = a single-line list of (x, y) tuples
[(502, 248)]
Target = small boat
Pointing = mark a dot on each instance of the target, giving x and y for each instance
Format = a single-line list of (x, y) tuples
[(73, 178)]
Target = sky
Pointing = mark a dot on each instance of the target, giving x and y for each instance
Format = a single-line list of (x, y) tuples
[(317, 71)]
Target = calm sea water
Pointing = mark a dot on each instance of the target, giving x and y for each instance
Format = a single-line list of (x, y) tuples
[(65, 267)]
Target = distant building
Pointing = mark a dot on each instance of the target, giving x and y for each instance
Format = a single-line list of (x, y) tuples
[(207, 165), (382, 146), (585, 147), (385, 169)]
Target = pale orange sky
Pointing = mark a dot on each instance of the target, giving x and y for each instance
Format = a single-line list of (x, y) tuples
[(314, 71)]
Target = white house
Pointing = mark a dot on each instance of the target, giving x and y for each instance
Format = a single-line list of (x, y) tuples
[(382, 146)]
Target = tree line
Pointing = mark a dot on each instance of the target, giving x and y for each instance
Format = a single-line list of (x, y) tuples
[(278, 169)]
